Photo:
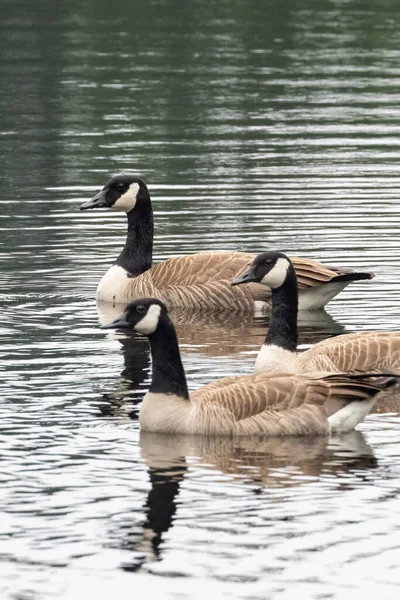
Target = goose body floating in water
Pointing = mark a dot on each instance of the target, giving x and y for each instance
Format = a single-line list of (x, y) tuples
[(263, 404), (372, 352), (200, 280)]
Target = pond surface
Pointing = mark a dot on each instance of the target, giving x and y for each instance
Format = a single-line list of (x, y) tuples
[(256, 125)]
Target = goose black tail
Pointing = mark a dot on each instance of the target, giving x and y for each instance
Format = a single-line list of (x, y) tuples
[(352, 275)]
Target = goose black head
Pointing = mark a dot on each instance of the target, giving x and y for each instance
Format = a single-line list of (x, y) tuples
[(122, 192), (142, 315), (268, 268)]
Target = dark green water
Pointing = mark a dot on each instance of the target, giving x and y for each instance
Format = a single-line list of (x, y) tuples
[(256, 125)]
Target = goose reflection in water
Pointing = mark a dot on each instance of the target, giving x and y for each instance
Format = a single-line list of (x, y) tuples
[(132, 386), (262, 466), (229, 334)]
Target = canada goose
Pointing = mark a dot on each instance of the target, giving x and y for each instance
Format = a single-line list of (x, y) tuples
[(262, 404), (199, 280), (272, 462), (374, 352)]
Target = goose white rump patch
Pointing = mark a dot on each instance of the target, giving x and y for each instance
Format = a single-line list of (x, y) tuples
[(316, 297), (348, 417)]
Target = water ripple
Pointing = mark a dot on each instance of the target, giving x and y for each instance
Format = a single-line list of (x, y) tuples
[(256, 127)]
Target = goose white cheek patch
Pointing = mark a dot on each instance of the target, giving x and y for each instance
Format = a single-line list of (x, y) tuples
[(128, 200), (149, 323), (277, 275)]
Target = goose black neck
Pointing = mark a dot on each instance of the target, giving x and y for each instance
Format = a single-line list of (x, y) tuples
[(282, 330), (136, 256), (168, 373)]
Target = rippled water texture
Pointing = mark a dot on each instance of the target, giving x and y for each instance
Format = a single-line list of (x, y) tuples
[(256, 125)]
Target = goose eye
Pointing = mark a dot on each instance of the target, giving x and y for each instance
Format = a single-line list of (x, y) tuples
[(268, 262), (140, 309), (120, 186)]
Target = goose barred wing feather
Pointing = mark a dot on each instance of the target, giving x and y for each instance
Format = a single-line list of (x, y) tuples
[(266, 405), (373, 352), (203, 281), (201, 268), (281, 404), (311, 273), (356, 386), (214, 295)]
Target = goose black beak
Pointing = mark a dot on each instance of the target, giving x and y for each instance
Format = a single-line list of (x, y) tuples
[(247, 276), (120, 322), (98, 201)]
